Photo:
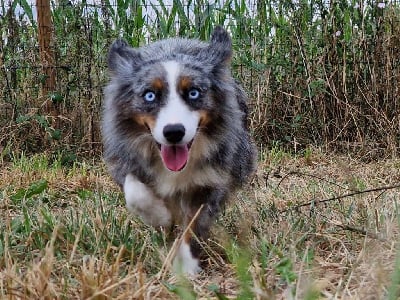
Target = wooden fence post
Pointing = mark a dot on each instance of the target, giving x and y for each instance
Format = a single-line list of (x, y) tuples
[(45, 30)]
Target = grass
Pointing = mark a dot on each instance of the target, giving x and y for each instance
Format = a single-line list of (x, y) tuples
[(317, 73), (65, 234)]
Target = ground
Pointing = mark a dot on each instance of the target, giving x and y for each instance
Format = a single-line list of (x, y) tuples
[(308, 226)]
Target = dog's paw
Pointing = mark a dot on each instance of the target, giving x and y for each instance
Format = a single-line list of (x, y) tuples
[(140, 200), (184, 262)]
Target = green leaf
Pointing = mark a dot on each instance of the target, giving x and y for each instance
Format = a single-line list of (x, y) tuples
[(22, 119), (56, 97), (183, 292), (34, 189), (55, 134), (26, 6), (42, 121), (285, 269), (241, 259), (215, 289), (348, 27)]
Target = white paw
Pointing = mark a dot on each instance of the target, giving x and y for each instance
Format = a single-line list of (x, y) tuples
[(184, 262)]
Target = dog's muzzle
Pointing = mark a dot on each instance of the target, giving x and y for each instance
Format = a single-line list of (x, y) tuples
[(175, 155)]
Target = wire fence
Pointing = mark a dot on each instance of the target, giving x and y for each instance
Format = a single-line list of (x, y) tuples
[(317, 72)]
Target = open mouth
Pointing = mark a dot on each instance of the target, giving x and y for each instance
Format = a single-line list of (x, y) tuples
[(175, 157)]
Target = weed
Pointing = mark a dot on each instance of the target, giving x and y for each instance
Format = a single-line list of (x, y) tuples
[(65, 233), (317, 73)]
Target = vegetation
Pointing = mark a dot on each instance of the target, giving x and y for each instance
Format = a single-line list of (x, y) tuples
[(65, 234), (322, 78), (317, 72)]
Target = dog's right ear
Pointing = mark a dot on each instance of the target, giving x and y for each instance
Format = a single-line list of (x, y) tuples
[(221, 43), (122, 59), (219, 50)]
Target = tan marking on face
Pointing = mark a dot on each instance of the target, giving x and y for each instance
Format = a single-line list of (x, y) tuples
[(145, 120), (157, 84), (205, 118), (184, 83), (200, 147)]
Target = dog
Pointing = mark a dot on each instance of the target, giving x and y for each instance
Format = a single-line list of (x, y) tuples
[(175, 134)]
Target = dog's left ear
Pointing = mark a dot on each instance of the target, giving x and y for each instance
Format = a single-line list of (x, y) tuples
[(122, 59), (219, 50)]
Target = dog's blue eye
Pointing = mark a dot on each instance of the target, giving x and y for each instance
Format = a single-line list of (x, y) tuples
[(149, 96), (194, 94)]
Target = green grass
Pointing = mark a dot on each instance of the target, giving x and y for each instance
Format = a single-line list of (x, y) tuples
[(65, 233)]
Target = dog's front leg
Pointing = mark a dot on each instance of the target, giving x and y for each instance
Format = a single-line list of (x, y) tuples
[(199, 217), (142, 201)]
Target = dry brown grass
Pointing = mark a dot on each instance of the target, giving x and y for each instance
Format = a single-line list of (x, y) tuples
[(75, 239)]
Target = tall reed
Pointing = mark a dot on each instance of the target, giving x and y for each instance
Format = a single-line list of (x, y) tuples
[(317, 72)]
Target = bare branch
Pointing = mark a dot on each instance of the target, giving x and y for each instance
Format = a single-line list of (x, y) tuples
[(378, 189)]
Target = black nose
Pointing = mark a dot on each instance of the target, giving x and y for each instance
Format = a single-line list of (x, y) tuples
[(174, 133)]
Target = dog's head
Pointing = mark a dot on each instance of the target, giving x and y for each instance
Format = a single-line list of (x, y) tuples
[(172, 88)]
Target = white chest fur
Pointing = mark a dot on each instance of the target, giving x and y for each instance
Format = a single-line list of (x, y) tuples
[(168, 183)]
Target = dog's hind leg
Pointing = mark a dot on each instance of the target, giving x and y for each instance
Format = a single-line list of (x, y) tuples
[(204, 209), (185, 262), (141, 200)]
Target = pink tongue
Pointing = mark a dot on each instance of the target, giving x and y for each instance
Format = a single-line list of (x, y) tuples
[(174, 157)]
